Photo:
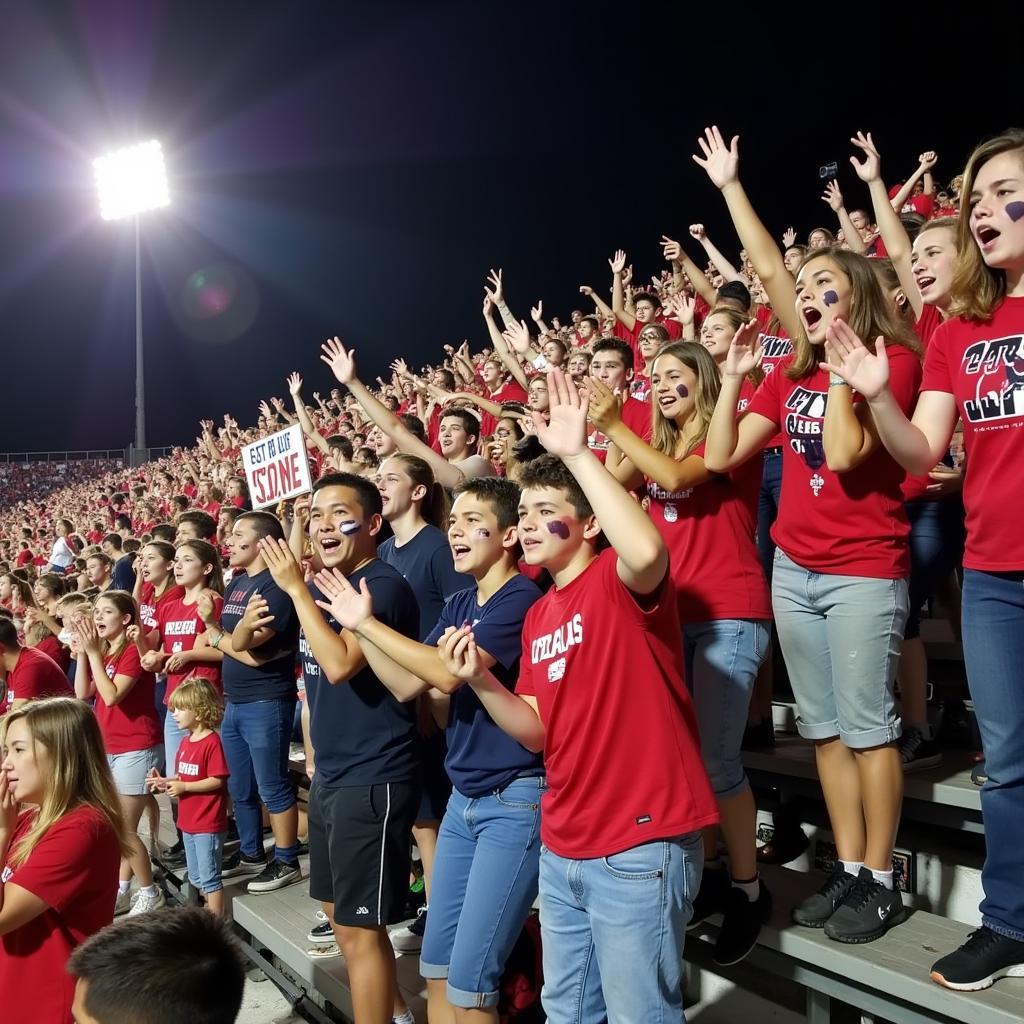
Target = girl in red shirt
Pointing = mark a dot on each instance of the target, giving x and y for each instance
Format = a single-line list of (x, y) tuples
[(61, 837), (974, 370), (839, 585), (707, 522), (109, 670), (154, 582)]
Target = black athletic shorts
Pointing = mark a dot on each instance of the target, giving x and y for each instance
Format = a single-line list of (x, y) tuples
[(359, 850)]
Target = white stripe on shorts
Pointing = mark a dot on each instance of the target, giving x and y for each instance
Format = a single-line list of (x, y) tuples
[(383, 844)]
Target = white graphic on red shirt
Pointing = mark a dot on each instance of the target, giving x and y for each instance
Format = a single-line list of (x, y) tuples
[(999, 368), (817, 482), (553, 644)]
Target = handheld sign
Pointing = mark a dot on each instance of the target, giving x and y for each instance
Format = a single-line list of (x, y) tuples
[(276, 467)]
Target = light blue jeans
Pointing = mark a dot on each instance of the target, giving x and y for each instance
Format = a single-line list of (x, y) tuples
[(722, 660), (613, 931), (485, 881)]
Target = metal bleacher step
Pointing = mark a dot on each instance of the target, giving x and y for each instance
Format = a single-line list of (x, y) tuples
[(888, 978), (279, 922)]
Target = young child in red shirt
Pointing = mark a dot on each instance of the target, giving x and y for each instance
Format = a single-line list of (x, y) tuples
[(198, 784), (601, 681)]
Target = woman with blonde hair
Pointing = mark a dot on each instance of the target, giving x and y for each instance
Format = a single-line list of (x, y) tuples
[(61, 839)]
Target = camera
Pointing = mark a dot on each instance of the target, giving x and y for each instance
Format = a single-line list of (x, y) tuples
[(828, 170)]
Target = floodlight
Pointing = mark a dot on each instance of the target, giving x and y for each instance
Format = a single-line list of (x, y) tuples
[(131, 181)]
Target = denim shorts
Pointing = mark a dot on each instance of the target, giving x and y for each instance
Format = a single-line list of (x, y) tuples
[(841, 637), (203, 854), (173, 737), (131, 768), (485, 881), (722, 660)]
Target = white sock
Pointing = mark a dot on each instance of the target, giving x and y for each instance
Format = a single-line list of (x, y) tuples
[(406, 1018), (750, 889), (852, 867), (885, 877), (123, 887), (149, 890)]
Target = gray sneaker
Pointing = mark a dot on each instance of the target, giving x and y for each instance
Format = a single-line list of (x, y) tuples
[(276, 875)]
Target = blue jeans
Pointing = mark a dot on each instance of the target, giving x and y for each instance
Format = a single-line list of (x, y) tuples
[(613, 930), (768, 509), (841, 637), (722, 660), (485, 881), (204, 854), (936, 547), (256, 738), (993, 623)]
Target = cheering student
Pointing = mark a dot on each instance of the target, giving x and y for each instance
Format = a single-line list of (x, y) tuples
[(707, 523), (59, 854), (27, 673), (972, 371), (258, 673), (601, 683), (185, 966), (360, 742), (489, 845), (839, 581), (420, 552)]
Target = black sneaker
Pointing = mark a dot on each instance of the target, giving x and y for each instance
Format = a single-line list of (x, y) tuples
[(409, 939), (276, 875), (238, 864), (867, 913), (814, 911), (917, 751), (760, 736), (712, 897), (741, 925), (985, 957), (321, 933), (978, 774)]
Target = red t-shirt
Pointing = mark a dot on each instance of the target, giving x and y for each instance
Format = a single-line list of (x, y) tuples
[(845, 524), (179, 624), (915, 487), (148, 605), (673, 326), (202, 813), (24, 557), (51, 646), (94, 537), (73, 868), (636, 415), (510, 391), (982, 366), (776, 347), (35, 675), (621, 752), (132, 724), (709, 533)]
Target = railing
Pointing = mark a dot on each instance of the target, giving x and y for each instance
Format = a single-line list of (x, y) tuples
[(83, 455)]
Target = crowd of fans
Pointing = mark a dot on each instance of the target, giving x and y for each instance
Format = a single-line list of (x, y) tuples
[(31, 481), (524, 619)]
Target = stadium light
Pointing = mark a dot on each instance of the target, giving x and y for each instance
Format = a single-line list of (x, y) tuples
[(130, 182)]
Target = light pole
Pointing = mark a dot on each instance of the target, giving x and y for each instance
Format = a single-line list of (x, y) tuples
[(130, 182)]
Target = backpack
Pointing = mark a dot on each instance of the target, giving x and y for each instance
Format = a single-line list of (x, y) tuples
[(523, 977)]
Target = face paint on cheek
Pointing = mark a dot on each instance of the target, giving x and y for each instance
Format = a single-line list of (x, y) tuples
[(830, 298), (1015, 210), (559, 529), (481, 533), (349, 528), (682, 391)]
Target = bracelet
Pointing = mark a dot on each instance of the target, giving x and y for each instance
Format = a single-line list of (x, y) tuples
[(835, 381), (215, 644)]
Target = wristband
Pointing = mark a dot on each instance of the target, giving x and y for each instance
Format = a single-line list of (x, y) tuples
[(215, 644), (835, 381)]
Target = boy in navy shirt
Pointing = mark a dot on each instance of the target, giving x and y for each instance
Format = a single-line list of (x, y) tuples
[(485, 876), (360, 741)]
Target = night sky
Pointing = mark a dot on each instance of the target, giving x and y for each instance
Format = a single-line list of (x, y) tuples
[(355, 169)]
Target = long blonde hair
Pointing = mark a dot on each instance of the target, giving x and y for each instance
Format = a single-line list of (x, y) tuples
[(871, 312), (79, 773), (665, 432), (978, 288)]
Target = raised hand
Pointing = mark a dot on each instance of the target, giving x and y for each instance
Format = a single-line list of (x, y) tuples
[(605, 408), (682, 308), (565, 433), (265, 410), (697, 231), (585, 289), (833, 196), (284, 568), (537, 312), (349, 606), (720, 162), (342, 361), (745, 351), (618, 261), (87, 635), (518, 337), (497, 294), (789, 237), (870, 168), (278, 404), (401, 367), (928, 159), (671, 249), (849, 358), (294, 384)]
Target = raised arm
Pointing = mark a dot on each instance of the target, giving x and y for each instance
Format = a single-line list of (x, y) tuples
[(308, 427), (834, 198), (721, 163), (701, 285), (603, 309), (926, 161), (721, 264), (618, 265)]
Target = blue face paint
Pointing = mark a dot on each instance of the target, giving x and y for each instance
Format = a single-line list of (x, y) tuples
[(559, 529), (830, 298), (1015, 210), (349, 528), (682, 391)]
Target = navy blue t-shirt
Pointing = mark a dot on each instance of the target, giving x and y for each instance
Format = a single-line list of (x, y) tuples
[(362, 734), (122, 576), (426, 563), (275, 678), (481, 756)]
